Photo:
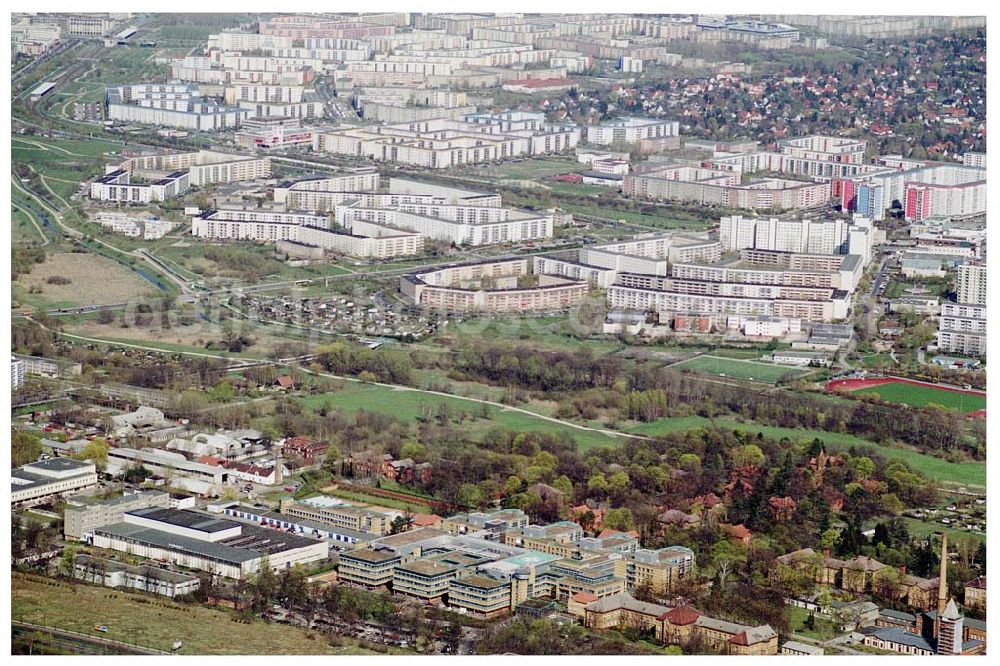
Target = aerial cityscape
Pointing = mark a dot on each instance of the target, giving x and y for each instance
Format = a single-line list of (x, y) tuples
[(465, 334)]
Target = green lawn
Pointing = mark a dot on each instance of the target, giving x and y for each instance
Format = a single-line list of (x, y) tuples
[(526, 170), (644, 219), (923, 528), (921, 396), (825, 629), (406, 405), (967, 474), (740, 369), (156, 622)]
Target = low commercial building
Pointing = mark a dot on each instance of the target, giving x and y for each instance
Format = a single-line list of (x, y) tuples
[(144, 578), (166, 463), (340, 515), (341, 537), (45, 480), (205, 543), (81, 518)]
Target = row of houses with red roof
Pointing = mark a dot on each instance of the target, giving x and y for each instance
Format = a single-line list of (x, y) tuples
[(372, 464)]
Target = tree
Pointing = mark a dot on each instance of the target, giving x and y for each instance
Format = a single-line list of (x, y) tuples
[(96, 451), (619, 482), (400, 524), (564, 485), (68, 560), (863, 467), (597, 483), (469, 495), (725, 556), (749, 455), (512, 485), (620, 519), (413, 450), (25, 448)]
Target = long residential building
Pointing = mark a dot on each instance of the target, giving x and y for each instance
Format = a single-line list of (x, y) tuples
[(441, 143), (962, 329), (361, 239), (204, 167), (682, 182), (170, 105), (491, 287)]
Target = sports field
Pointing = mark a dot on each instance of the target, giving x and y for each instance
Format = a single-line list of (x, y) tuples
[(915, 394), (739, 369)]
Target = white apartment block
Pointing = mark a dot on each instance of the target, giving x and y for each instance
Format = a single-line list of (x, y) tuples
[(977, 160), (304, 109), (146, 228), (170, 105), (16, 373), (441, 143), (824, 236), (360, 180), (962, 329), (362, 240), (630, 130), (204, 167), (971, 284), (259, 93), (490, 286), (520, 226), (636, 299), (826, 148), (596, 276), (116, 186), (652, 255)]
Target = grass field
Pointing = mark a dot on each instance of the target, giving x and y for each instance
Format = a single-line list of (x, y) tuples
[(155, 622), (94, 280), (967, 474), (923, 528), (528, 169), (656, 221), (406, 405), (825, 629), (921, 396), (740, 369), (190, 259)]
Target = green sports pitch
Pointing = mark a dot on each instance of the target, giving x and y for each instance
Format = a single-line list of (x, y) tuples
[(739, 369), (921, 396)]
